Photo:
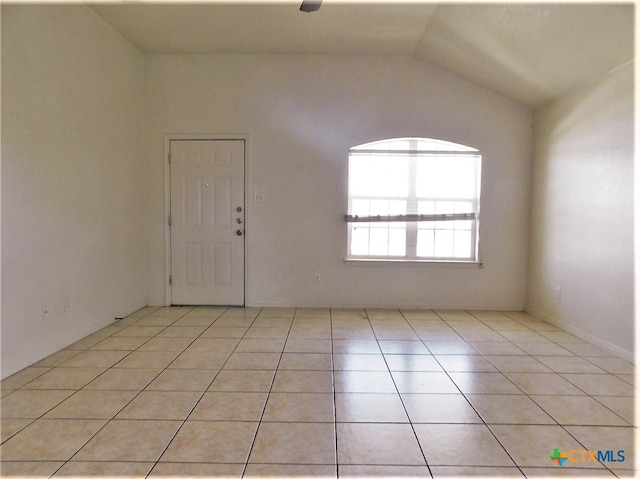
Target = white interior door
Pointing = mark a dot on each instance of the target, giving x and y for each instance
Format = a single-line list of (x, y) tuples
[(207, 222)]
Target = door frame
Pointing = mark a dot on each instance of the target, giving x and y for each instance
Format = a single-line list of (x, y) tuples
[(167, 199)]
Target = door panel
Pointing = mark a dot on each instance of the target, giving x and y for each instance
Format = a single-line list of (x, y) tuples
[(207, 201)]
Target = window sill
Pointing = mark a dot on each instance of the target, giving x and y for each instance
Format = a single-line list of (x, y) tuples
[(444, 263)]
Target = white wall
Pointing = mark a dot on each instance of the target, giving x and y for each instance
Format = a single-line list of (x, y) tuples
[(582, 213), (302, 113), (72, 179)]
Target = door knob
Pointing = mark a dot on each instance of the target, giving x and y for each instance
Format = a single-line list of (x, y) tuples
[(239, 232)]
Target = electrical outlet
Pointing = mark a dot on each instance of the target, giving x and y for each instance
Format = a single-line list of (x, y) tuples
[(316, 278)]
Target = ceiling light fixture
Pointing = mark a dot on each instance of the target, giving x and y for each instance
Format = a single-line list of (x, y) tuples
[(310, 5)]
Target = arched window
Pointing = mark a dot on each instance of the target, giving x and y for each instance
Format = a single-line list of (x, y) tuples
[(413, 199)]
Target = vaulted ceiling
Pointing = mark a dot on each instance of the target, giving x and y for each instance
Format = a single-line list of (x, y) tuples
[(531, 53)]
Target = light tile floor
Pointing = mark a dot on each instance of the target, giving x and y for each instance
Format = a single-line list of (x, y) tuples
[(241, 392)]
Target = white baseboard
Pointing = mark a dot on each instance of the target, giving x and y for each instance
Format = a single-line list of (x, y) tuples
[(12, 367), (596, 341), (25, 361), (370, 305)]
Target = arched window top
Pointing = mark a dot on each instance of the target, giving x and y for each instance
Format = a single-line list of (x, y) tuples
[(407, 145), (413, 199)]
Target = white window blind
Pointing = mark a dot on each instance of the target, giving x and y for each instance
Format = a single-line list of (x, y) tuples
[(414, 199)]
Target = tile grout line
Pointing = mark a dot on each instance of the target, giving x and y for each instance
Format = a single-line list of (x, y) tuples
[(557, 423), (108, 421), (333, 388), (485, 356), (78, 352), (184, 421), (415, 434), (524, 393), (471, 405), (266, 401), (22, 387), (573, 355)]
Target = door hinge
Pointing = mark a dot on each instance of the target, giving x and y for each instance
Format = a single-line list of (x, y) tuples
[(169, 220), (170, 280), (169, 158)]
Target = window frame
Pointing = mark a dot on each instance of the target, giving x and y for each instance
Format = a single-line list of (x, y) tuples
[(413, 219)]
